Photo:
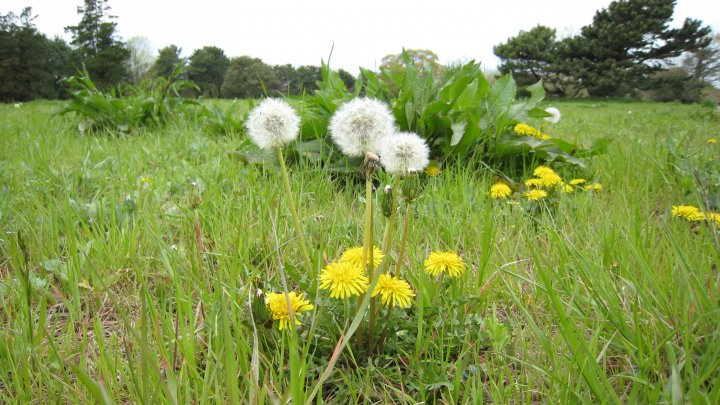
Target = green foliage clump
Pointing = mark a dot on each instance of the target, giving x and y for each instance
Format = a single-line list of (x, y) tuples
[(459, 113), (113, 112)]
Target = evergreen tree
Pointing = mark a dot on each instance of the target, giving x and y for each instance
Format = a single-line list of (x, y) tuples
[(207, 68), (621, 51), (529, 56), (30, 63), (168, 58), (627, 43), (96, 46)]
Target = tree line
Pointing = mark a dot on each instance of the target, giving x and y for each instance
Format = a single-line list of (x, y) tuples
[(32, 65), (628, 49)]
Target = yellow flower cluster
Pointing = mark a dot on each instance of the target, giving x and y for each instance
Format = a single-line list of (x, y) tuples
[(444, 262), (346, 278), (692, 214), (527, 130), (278, 305), (545, 180)]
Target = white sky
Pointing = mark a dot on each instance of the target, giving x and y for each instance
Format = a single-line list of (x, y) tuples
[(301, 32)]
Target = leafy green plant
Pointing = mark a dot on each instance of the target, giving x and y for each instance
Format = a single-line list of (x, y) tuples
[(459, 113), (110, 111)]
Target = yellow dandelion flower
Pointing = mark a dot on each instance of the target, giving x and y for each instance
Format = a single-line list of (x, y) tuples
[(535, 195), (354, 257), (543, 170), (713, 216), (500, 190), (444, 262), (550, 180), (576, 182), (597, 187), (432, 170), (393, 291), (343, 279), (566, 188), (711, 141), (526, 130), (278, 306), (687, 212), (533, 183)]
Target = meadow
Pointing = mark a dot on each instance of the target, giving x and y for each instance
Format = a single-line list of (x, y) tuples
[(129, 270)]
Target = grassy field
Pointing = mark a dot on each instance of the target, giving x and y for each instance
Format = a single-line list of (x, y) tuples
[(598, 297)]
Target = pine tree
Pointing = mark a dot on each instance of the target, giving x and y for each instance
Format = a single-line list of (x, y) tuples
[(96, 46)]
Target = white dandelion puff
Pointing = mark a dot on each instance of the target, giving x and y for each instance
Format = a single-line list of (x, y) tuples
[(273, 124), (357, 126), (403, 153), (555, 115)]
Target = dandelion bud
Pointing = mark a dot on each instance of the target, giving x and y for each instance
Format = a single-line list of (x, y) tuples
[(194, 200), (386, 201), (412, 186)]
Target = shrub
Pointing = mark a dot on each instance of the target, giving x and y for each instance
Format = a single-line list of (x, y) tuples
[(110, 111)]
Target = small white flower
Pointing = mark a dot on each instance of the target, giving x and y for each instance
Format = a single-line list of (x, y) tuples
[(403, 153), (358, 125), (272, 124), (18, 105), (554, 117)]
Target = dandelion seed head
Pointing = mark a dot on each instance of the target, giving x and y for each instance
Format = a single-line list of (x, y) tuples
[(403, 153), (555, 115), (273, 124), (358, 125)]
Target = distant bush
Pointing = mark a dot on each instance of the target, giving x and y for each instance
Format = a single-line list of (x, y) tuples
[(141, 107)]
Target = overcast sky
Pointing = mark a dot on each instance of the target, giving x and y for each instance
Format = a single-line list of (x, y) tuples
[(303, 32)]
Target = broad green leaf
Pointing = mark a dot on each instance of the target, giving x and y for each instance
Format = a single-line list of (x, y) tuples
[(458, 131)]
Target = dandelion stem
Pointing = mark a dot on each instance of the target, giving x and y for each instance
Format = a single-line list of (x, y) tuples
[(296, 218), (383, 334), (390, 223), (401, 251)]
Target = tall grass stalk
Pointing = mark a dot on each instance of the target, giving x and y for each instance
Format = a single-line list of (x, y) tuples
[(300, 234)]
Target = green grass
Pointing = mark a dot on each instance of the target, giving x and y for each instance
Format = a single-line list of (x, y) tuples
[(602, 297)]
